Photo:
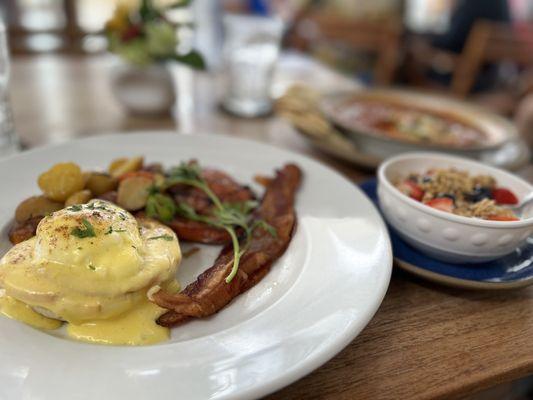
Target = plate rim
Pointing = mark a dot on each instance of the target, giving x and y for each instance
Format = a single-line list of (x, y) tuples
[(331, 349), (452, 281)]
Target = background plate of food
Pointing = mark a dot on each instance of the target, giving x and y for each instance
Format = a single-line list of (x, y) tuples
[(289, 262), (329, 122), (402, 120)]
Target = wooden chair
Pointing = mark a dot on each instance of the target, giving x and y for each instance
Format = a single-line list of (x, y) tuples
[(380, 37), (70, 34), (490, 42)]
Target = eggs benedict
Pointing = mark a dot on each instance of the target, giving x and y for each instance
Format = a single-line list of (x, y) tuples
[(91, 266)]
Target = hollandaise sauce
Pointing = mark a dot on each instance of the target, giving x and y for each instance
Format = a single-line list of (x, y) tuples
[(137, 327), (18, 310), (91, 266)]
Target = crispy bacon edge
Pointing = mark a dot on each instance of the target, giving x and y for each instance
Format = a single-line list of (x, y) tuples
[(210, 292)]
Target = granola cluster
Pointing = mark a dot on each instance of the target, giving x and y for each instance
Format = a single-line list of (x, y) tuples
[(460, 193)]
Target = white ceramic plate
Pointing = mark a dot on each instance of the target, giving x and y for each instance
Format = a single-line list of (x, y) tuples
[(313, 302)]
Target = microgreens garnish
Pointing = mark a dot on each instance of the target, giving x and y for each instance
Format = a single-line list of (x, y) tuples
[(164, 237), (160, 206), (85, 232), (75, 208), (227, 216), (96, 206)]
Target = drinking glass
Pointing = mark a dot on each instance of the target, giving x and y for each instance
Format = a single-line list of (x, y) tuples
[(8, 140), (250, 52)]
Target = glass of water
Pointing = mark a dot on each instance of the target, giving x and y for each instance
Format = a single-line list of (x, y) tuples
[(8, 140), (251, 49)]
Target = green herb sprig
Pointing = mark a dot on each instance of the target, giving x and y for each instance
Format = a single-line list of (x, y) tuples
[(166, 237), (85, 232), (227, 216)]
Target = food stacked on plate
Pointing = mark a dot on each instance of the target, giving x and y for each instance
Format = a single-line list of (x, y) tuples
[(458, 192), (99, 251), (408, 123)]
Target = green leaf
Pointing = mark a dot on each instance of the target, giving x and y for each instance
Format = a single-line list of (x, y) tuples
[(160, 206), (192, 59), (147, 11), (166, 237), (181, 3), (160, 39), (186, 171), (85, 232)]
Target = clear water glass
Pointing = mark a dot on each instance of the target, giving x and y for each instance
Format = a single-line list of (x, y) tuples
[(251, 49), (8, 139)]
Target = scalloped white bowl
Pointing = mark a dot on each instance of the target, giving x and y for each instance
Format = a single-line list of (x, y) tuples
[(445, 236)]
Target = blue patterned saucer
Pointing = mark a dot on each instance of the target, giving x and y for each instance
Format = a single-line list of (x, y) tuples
[(512, 271)]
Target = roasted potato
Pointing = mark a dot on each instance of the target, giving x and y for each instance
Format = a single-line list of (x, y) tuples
[(86, 175), (81, 197), (123, 165), (60, 181), (36, 206), (115, 164), (133, 192), (99, 183)]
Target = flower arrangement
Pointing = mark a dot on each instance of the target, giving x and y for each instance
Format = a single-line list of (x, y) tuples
[(143, 36)]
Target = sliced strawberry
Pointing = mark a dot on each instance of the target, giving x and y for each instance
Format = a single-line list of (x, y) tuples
[(504, 196), (441, 203), (502, 218), (411, 189)]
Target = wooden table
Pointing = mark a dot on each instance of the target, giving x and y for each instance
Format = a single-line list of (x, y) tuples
[(425, 341)]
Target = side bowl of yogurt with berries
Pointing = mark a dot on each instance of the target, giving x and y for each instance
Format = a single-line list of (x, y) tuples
[(452, 208)]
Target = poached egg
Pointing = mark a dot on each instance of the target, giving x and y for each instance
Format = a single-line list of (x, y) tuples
[(92, 266)]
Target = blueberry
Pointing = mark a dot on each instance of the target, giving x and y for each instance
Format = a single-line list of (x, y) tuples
[(479, 193)]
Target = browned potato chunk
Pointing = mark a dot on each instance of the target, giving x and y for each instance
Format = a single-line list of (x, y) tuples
[(60, 181), (81, 197), (100, 183), (133, 192), (86, 175), (36, 206), (115, 164), (123, 165)]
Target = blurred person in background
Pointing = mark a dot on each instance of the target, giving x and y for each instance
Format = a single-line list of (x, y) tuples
[(465, 13)]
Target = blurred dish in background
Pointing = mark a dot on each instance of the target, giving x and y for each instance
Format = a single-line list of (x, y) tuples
[(401, 120), (304, 108)]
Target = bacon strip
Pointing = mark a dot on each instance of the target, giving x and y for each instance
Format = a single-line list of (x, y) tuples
[(226, 189), (210, 292)]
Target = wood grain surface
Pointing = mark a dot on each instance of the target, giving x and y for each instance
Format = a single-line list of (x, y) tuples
[(425, 342)]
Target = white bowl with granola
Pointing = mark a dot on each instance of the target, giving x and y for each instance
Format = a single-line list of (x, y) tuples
[(452, 208)]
